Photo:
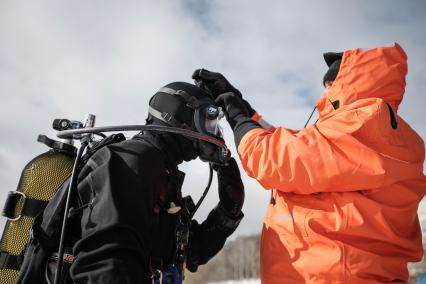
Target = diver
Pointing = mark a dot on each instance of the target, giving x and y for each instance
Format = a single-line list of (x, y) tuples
[(131, 223)]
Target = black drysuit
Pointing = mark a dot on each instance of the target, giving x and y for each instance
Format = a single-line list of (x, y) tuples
[(126, 189), (120, 228)]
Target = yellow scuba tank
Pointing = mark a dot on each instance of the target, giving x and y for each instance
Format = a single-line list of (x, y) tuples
[(39, 181)]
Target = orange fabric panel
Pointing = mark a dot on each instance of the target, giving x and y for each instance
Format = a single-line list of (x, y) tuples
[(344, 153), (346, 189)]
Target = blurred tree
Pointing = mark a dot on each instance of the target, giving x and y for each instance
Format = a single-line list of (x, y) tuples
[(239, 259)]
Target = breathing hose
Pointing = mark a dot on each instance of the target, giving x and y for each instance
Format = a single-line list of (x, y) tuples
[(67, 134), (206, 190)]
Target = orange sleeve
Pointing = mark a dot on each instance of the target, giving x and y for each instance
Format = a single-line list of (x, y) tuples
[(328, 156)]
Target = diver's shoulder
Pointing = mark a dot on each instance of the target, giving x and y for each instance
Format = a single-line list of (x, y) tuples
[(131, 151)]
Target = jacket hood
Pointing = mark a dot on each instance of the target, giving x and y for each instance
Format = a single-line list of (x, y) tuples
[(373, 73)]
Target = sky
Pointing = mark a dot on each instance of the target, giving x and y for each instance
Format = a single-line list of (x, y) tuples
[(64, 59)]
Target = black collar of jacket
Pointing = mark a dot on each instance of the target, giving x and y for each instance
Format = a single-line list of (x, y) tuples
[(158, 143), (175, 148), (173, 190)]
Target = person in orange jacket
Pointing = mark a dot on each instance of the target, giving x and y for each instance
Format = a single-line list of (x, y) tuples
[(345, 190)]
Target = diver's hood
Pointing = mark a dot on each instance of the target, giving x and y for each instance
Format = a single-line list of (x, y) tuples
[(186, 106)]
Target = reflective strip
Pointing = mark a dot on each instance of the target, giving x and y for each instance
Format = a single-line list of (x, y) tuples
[(169, 91), (191, 101), (165, 117), (265, 125), (155, 113), (258, 118)]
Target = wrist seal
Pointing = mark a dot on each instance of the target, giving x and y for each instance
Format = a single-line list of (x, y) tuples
[(224, 219)]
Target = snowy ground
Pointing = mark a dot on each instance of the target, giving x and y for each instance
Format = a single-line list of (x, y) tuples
[(245, 281)]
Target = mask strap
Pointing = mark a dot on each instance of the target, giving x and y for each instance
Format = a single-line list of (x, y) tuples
[(191, 101), (166, 117), (169, 91)]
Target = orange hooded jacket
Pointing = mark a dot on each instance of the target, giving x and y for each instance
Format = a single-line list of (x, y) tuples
[(346, 189)]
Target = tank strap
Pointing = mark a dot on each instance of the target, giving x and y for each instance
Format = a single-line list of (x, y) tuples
[(31, 207), (167, 118), (8, 261), (191, 101)]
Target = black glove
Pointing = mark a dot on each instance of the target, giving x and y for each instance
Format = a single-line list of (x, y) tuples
[(216, 84), (213, 82), (237, 115), (234, 108), (231, 188)]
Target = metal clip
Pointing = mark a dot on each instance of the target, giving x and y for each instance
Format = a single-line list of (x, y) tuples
[(10, 205)]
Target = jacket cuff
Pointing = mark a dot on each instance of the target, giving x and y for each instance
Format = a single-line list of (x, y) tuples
[(244, 124), (256, 117), (265, 125)]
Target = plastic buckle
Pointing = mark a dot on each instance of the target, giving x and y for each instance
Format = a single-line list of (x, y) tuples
[(10, 205)]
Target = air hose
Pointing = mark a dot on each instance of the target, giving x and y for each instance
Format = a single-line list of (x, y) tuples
[(206, 190)]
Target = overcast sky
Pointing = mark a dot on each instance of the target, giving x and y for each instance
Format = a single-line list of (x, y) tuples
[(69, 58)]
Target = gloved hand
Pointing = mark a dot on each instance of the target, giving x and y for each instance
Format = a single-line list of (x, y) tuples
[(231, 188), (234, 108), (216, 84), (237, 115), (213, 82)]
